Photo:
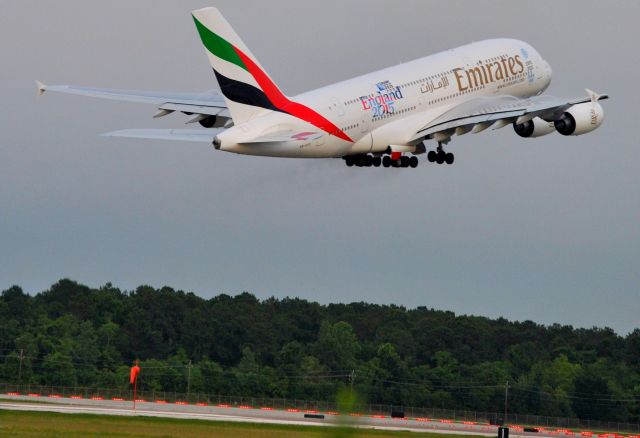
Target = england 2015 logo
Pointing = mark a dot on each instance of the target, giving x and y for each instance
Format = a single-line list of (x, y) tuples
[(382, 101)]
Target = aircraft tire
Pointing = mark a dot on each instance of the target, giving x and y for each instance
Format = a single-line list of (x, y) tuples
[(413, 162), (386, 161), (449, 158), (431, 156)]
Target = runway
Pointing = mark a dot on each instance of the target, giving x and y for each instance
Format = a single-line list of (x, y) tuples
[(252, 415), (234, 414)]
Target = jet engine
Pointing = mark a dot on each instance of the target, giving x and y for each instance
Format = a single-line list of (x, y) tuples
[(208, 122), (535, 127), (580, 119)]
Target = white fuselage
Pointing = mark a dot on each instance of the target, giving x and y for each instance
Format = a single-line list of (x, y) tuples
[(389, 106)]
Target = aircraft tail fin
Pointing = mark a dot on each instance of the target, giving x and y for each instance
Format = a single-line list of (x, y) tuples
[(247, 88)]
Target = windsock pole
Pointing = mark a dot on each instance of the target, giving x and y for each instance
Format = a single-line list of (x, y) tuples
[(135, 395)]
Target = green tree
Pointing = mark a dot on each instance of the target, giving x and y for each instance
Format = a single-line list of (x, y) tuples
[(382, 376), (337, 346), (593, 397), (73, 334), (556, 382), (58, 370), (211, 375)]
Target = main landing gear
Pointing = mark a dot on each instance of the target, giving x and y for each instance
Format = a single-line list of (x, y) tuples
[(440, 156), (367, 160), (396, 158)]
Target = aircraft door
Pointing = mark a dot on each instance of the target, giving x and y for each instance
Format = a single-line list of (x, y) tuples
[(365, 128), (365, 122), (337, 106)]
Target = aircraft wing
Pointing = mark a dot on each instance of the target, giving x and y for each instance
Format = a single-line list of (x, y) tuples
[(209, 103), (481, 113), (195, 135)]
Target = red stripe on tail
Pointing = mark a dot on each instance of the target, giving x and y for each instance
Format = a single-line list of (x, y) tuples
[(281, 102)]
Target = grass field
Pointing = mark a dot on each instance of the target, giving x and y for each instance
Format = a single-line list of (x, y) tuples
[(49, 424)]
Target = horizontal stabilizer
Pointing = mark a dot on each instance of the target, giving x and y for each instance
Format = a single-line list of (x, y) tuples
[(195, 135), (285, 136)]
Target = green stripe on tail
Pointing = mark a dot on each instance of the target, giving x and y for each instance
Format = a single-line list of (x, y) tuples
[(218, 46)]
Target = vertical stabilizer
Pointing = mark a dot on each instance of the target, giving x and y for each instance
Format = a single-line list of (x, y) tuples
[(248, 90)]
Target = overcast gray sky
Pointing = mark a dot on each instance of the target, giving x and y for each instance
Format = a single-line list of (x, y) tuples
[(544, 229)]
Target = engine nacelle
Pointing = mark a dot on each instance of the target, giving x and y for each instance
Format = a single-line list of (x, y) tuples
[(535, 127), (208, 122), (580, 119)]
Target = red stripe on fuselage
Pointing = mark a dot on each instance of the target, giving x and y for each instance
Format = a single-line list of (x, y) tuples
[(281, 102)]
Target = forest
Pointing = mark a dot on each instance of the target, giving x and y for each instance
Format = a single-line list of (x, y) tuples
[(75, 335)]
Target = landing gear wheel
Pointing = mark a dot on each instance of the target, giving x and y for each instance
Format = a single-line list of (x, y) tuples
[(404, 161), (448, 158), (367, 160), (377, 161), (349, 161), (386, 161), (431, 156), (440, 156), (413, 162)]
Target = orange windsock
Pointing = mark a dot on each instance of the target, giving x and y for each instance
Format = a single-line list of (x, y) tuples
[(135, 370)]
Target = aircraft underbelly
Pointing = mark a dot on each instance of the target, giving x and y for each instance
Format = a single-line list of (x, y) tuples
[(363, 145), (313, 149)]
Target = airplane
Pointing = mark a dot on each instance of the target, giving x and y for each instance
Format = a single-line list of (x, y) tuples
[(384, 118)]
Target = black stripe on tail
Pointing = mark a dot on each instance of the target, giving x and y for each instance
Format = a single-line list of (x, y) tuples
[(243, 93)]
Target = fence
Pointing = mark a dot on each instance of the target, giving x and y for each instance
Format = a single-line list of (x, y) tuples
[(320, 406)]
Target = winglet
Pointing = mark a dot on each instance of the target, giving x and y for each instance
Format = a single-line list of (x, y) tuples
[(41, 88)]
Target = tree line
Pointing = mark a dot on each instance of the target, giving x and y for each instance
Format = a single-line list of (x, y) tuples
[(74, 335)]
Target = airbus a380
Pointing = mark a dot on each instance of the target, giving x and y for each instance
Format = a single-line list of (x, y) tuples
[(381, 118)]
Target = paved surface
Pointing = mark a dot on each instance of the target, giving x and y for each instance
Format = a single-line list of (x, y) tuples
[(222, 413), (252, 415)]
